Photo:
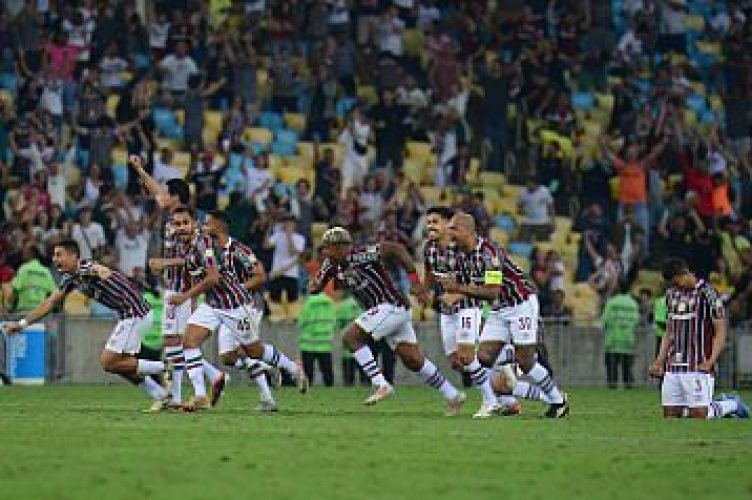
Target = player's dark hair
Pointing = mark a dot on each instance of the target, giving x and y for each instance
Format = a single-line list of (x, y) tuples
[(184, 209), (221, 216), (70, 246), (673, 267), (445, 213), (179, 188)]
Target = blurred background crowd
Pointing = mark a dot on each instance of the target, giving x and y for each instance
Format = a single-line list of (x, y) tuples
[(590, 138)]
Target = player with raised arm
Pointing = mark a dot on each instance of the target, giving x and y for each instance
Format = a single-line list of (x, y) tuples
[(175, 193), (387, 311), (514, 311), (241, 260), (694, 340), (114, 290), (460, 323), (228, 303)]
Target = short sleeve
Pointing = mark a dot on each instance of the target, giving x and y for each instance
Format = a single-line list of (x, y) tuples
[(714, 303)]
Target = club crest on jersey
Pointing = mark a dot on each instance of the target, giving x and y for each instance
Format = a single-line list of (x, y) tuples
[(682, 307)]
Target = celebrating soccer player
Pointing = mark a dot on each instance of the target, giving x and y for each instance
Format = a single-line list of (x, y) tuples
[(174, 194), (242, 262), (694, 339), (514, 315), (113, 290), (460, 323), (228, 303), (387, 311)]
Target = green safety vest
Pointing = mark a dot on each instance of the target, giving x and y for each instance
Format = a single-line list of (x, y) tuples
[(316, 323), (153, 338), (659, 315), (621, 316), (347, 311)]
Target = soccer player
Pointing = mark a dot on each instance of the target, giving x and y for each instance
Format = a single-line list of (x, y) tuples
[(114, 290), (242, 262), (228, 303), (694, 339), (175, 193), (514, 314), (460, 323), (387, 311)]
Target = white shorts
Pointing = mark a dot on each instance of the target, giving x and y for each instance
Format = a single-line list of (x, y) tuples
[(174, 318), (517, 325), (126, 336), (227, 342), (239, 322), (462, 327), (693, 390), (390, 322)]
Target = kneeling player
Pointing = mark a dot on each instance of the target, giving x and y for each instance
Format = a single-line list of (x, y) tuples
[(387, 311), (120, 294), (694, 339)]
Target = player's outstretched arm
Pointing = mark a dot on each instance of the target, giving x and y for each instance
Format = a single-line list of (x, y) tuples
[(397, 253), (158, 265), (158, 191), (40, 312)]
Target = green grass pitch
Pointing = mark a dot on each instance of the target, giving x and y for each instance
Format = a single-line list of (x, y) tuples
[(94, 442)]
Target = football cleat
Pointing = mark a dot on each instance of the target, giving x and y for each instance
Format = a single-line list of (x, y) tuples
[(275, 377), (218, 388), (454, 405), (558, 410), (381, 392), (196, 404), (159, 405), (267, 406), (742, 410), (511, 409), (487, 410)]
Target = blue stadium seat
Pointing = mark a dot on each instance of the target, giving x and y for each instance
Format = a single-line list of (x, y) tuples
[(505, 222), (167, 123), (520, 248), (272, 121), (697, 102), (285, 143), (583, 100)]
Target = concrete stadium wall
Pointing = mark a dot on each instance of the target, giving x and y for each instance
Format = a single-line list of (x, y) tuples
[(576, 353)]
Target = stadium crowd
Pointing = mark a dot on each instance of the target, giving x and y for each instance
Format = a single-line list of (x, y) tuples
[(617, 129)]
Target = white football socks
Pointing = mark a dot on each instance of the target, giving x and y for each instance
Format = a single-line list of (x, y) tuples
[(212, 372), (526, 390), (176, 359), (147, 367), (434, 378), (273, 357), (482, 381), (153, 389), (540, 377), (719, 409), (194, 362), (364, 358)]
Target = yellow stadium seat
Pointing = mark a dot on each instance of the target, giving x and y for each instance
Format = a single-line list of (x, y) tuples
[(691, 117), (213, 119), (258, 134), (492, 179), (508, 205), (180, 116), (605, 101), (711, 48), (592, 130), (317, 231), (512, 191), (695, 23), (416, 149), (73, 175), (716, 103), (368, 94), (413, 169), (112, 102), (499, 236), (210, 136), (181, 159), (433, 195), (305, 149), (698, 87), (614, 183), (119, 156), (296, 122), (413, 42), (76, 303), (262, 76)]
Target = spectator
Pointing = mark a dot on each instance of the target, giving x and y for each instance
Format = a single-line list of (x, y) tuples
[(89, 235), (608, 273), (390, 32), (621, 316), (354, 138), (556, 312), (537, 208), (33, 282), (178, 68), (131, 243), (6, 285), (288, 245), (259, 182), (388, 119), (317, 321)]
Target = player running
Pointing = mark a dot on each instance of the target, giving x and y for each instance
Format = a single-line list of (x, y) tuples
[(175, 193), (460, 323), (242, 262), (114, 290), (694, 339), (387, 311), (228, 304), (514, 314)]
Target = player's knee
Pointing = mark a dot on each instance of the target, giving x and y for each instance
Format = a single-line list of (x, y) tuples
[(172, 340), (411, 356), (454, 360), (254, 350), (485, 357), (525, 357), (465, 357), (353, 338), (108, 363)]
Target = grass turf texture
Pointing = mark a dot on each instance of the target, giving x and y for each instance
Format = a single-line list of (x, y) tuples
[(93, 442)]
